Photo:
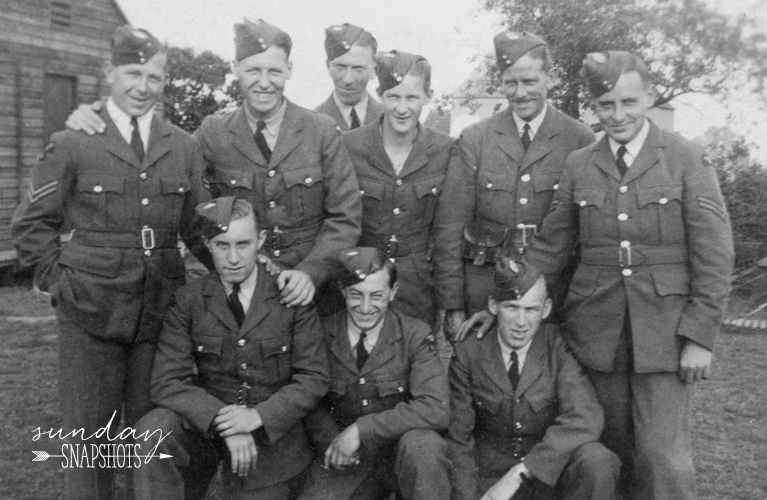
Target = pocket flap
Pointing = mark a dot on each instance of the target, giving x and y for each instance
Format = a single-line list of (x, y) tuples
[(660, 195), (95, 260), (307, 176), (431, 186), (541, 399), (234, 178), (275, 346), (589, 197), (546, 182), (371, 189), (174, 185), (671, 282), (208, 344), (391, 387), (584, 281), (100, 183), (338, 385), (497, 181)]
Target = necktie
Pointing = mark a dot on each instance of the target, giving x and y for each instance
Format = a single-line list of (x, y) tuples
[(235, 305), (620, 162), (362, 353), (261, 140), (355, 119), (514, 371), (526, 136), (136, 144)]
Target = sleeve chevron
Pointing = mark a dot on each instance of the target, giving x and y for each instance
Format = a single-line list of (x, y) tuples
[(36, 194), (709, 204)]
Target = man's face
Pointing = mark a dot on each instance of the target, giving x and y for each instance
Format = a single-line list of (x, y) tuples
[(262, 80), (526, 86), (234, 251), (136, 87), (623, 110), (351, 73), (403, 104), (519, 320), (368, 300)]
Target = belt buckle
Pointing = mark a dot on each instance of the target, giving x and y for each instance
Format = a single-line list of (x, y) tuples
[(624, 256), (276, 238), (147, 238), (391, 247), (240, 394), (526, 240)]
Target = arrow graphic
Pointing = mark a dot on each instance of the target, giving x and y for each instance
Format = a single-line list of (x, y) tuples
[(42, 456)]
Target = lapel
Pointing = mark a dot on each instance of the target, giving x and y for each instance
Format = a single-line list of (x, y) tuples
[(373, 141), (543, 142), (417, 157), (373, 111), (492, 363), (382, 351), (648, 155), (339, 344), (242, 137), (508, 137), (603, 158), (259, 303), (217, 303), (160, 141), (289, 136), (534, 363), (115, 143), (330, 108)]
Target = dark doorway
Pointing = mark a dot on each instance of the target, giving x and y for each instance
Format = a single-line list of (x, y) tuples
[(58, 101)]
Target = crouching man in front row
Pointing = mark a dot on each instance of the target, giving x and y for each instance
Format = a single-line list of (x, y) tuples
[(377, 429), (525, 418), (261, 368)]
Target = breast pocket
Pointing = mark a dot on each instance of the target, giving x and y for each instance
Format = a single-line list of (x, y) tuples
[(660, 214), (102, 194), (275, 353), (207, 352), (372, 194), (426, 193), (496, 196), (228, 182), (590, 203), (174, 191), (544, 186), (303, 196)]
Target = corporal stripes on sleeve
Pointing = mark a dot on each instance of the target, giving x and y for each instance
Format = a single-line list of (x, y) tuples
[(36, 194)]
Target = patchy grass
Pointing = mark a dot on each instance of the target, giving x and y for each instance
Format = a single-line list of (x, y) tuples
[(730, 411)]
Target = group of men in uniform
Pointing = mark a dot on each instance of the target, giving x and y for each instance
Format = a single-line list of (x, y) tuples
[(316, 372)]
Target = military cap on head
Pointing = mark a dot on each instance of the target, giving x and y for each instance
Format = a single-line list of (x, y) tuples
[(253, 38), (602, 69), (133, 46), (392, 66), (340, 38), (511, 45), (513, 279), (359, 263), (216, 215)]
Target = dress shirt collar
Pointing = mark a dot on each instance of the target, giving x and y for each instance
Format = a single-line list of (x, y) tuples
[(535, 123), (122, 122), (633, 147), (370, 339), (346, 110), (247, 289), (521, 353), (273, 123)]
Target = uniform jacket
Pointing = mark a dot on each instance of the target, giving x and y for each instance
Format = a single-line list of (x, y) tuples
[(96, 186), (330, 109), (307, 196), (553, 411), (274, 363), (402, 386), (493, 181), (402, 207), (669, 210)]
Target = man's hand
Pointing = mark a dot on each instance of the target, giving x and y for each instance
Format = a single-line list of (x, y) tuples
[(85, 119), (507, 486), (453, 320), (694, 363), (296, 288), (235, 419), (271, 268), (242, 448), (342, 452), (480, 322)]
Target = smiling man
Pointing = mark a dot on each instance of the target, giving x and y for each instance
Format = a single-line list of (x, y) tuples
[(377, 430), (125, 195), (503, 174), (524, 416), (350, 50), (649, 294)]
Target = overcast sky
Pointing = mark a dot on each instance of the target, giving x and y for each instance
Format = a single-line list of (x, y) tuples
[(447, 32)]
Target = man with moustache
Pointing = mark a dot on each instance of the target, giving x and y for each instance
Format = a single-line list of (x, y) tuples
[(503, 174), (649, 294), (377, 430), (351, 51), (401, 168), (235, 373), (125, 196), (525, 421)]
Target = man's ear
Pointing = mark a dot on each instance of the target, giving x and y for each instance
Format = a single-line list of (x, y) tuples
[(261, 239), (393, 291), (290, 70), (553, 78), (109, 72), (546, 308), (492, 305)]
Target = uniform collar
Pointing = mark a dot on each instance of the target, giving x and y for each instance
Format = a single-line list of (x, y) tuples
[(346, 110), (521, 353), (535, 123), (632, 147), (122, 121)]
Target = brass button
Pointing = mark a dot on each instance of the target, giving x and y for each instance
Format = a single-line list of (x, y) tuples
[(362, 192), (272, 204), (523, 201), (399, 182), (145, 201), (627, 272), (525, 178), (244, 366), (365, 402), (276, 253), (362, 381), (241, 342), (148, 253), (308, 180), (271, 173), (518, 425), (232, 182), (623, 189), (623, 217), (625, 244), (433, 190), (181, 189), (396, 211), (556, 186), (143, 176), (200, 348), (400, 389), (284, 348), (97, 189), (663, 201), (489, 185), (582, 203)]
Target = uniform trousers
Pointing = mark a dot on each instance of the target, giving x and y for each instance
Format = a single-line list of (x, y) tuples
[(591, 474), (195, 459), (99, 379), (416, 466)]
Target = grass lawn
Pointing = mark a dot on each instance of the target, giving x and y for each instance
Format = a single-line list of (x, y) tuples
[(730, 434)]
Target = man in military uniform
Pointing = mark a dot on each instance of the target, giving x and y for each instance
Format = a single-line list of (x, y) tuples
[(350, 50), (502, 177), (235, 373), (126, 194), (525, 419), (377, 429), (401, 169), (648, 296)]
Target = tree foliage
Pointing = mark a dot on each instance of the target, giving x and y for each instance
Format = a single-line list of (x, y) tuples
[(689, 46)]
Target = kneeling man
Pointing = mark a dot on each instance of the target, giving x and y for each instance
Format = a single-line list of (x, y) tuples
[(525, 419), (377, 429), (234, 375)]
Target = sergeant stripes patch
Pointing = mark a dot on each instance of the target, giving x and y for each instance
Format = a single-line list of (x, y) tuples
[(43, 191), (709, 204)]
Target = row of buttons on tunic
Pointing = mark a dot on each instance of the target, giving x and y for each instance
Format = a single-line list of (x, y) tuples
[(524, 178), (397, 210)]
